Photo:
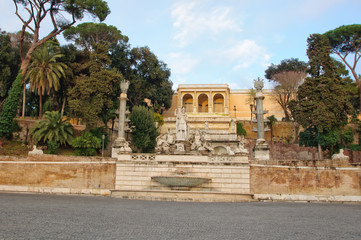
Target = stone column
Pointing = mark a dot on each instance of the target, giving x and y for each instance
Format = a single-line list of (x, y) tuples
[(261, 149), (120, 144), (195, 102), (226, 102), (210, 102)]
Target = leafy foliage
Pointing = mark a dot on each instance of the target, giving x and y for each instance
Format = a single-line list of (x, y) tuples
[(86, 144), (44, 71), (148, 76), (94, 93), (271, 121), (331, 140), (159, 119), (346, 40), (10, 107), (53, 127), (53, 147), (9, 63), (240, 129), (144, 132), (286, 65), (286, 76), (88, 34), (322, 101), (99, 132), (322, 106)]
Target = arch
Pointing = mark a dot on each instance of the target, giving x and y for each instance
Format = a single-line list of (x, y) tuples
[(218, 103), (203, 103), (220, 150), (187, 102)]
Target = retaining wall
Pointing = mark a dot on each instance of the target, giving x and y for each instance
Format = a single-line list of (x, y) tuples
[(327, 177), (228, 174), (53, 173)]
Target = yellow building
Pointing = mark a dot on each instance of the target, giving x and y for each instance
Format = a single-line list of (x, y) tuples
[(216, 104)]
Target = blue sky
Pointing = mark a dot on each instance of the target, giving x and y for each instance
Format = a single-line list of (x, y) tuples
[(228, 41)]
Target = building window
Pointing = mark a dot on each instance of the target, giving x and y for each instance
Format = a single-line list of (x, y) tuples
[(202, 103), (188, 102), (218, 103)]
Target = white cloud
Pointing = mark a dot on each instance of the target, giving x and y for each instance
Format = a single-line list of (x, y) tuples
[(243, 54), (192, 19), (181, 63)]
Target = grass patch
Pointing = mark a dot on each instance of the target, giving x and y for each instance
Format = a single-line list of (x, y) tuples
[(18, 148), (14, 148)]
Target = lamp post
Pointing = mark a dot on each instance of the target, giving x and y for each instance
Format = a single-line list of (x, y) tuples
[(103, 137), (235, 111), (274, 148), (251, 107), (281, 139)]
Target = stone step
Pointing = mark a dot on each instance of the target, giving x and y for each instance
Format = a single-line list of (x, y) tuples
[(182, 196)]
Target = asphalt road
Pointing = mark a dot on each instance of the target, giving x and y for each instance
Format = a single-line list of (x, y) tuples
[(35, 216)]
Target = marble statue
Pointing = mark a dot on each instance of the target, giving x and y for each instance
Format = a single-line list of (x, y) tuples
[(181, 125)]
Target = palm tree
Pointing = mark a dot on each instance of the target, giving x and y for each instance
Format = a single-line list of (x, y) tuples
[(44, 72), (53, 127)]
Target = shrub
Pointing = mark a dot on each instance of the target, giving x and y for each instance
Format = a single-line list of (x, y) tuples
[(53, 147), (144, 132), (86, 144), (10, 107), (99, 132), (53, 127), (240, 130)]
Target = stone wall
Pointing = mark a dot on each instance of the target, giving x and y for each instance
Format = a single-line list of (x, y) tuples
[(53, 173), (28, 122), (328, 177), (280, 151), (228, 174)]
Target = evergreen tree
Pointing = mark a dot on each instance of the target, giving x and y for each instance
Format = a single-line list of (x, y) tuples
[(322, 104), (144, 132), (95, 90)]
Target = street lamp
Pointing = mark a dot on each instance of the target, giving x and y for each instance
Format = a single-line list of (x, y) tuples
[(281, 139), (235, 111), (274, 148), (103, 137), (251, 106)]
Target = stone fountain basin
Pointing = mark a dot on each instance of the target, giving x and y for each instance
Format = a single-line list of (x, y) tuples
[(180, 181)]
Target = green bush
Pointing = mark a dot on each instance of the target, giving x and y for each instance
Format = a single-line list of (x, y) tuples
[(144, 132), (10, 107), (53, 147), (53, 127), (86, 144), (99, 132), (355, 147), (240, 130)]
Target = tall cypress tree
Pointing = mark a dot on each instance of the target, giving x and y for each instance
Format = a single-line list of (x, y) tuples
[(322, 105)]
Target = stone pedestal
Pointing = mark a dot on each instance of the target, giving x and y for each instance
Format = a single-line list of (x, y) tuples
[(261, 151)]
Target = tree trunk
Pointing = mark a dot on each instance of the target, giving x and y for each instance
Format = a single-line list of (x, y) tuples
[(24, 67), (40, 106), (24, 97), (63, 106), (2, 141)]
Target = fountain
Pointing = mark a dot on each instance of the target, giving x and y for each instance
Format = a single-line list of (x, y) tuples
[(189, 164), (180, 182)]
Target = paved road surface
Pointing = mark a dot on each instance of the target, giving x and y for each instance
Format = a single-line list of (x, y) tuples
[(35, 216)]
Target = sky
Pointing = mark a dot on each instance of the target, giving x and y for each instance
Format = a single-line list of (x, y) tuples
[(219, 42)]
